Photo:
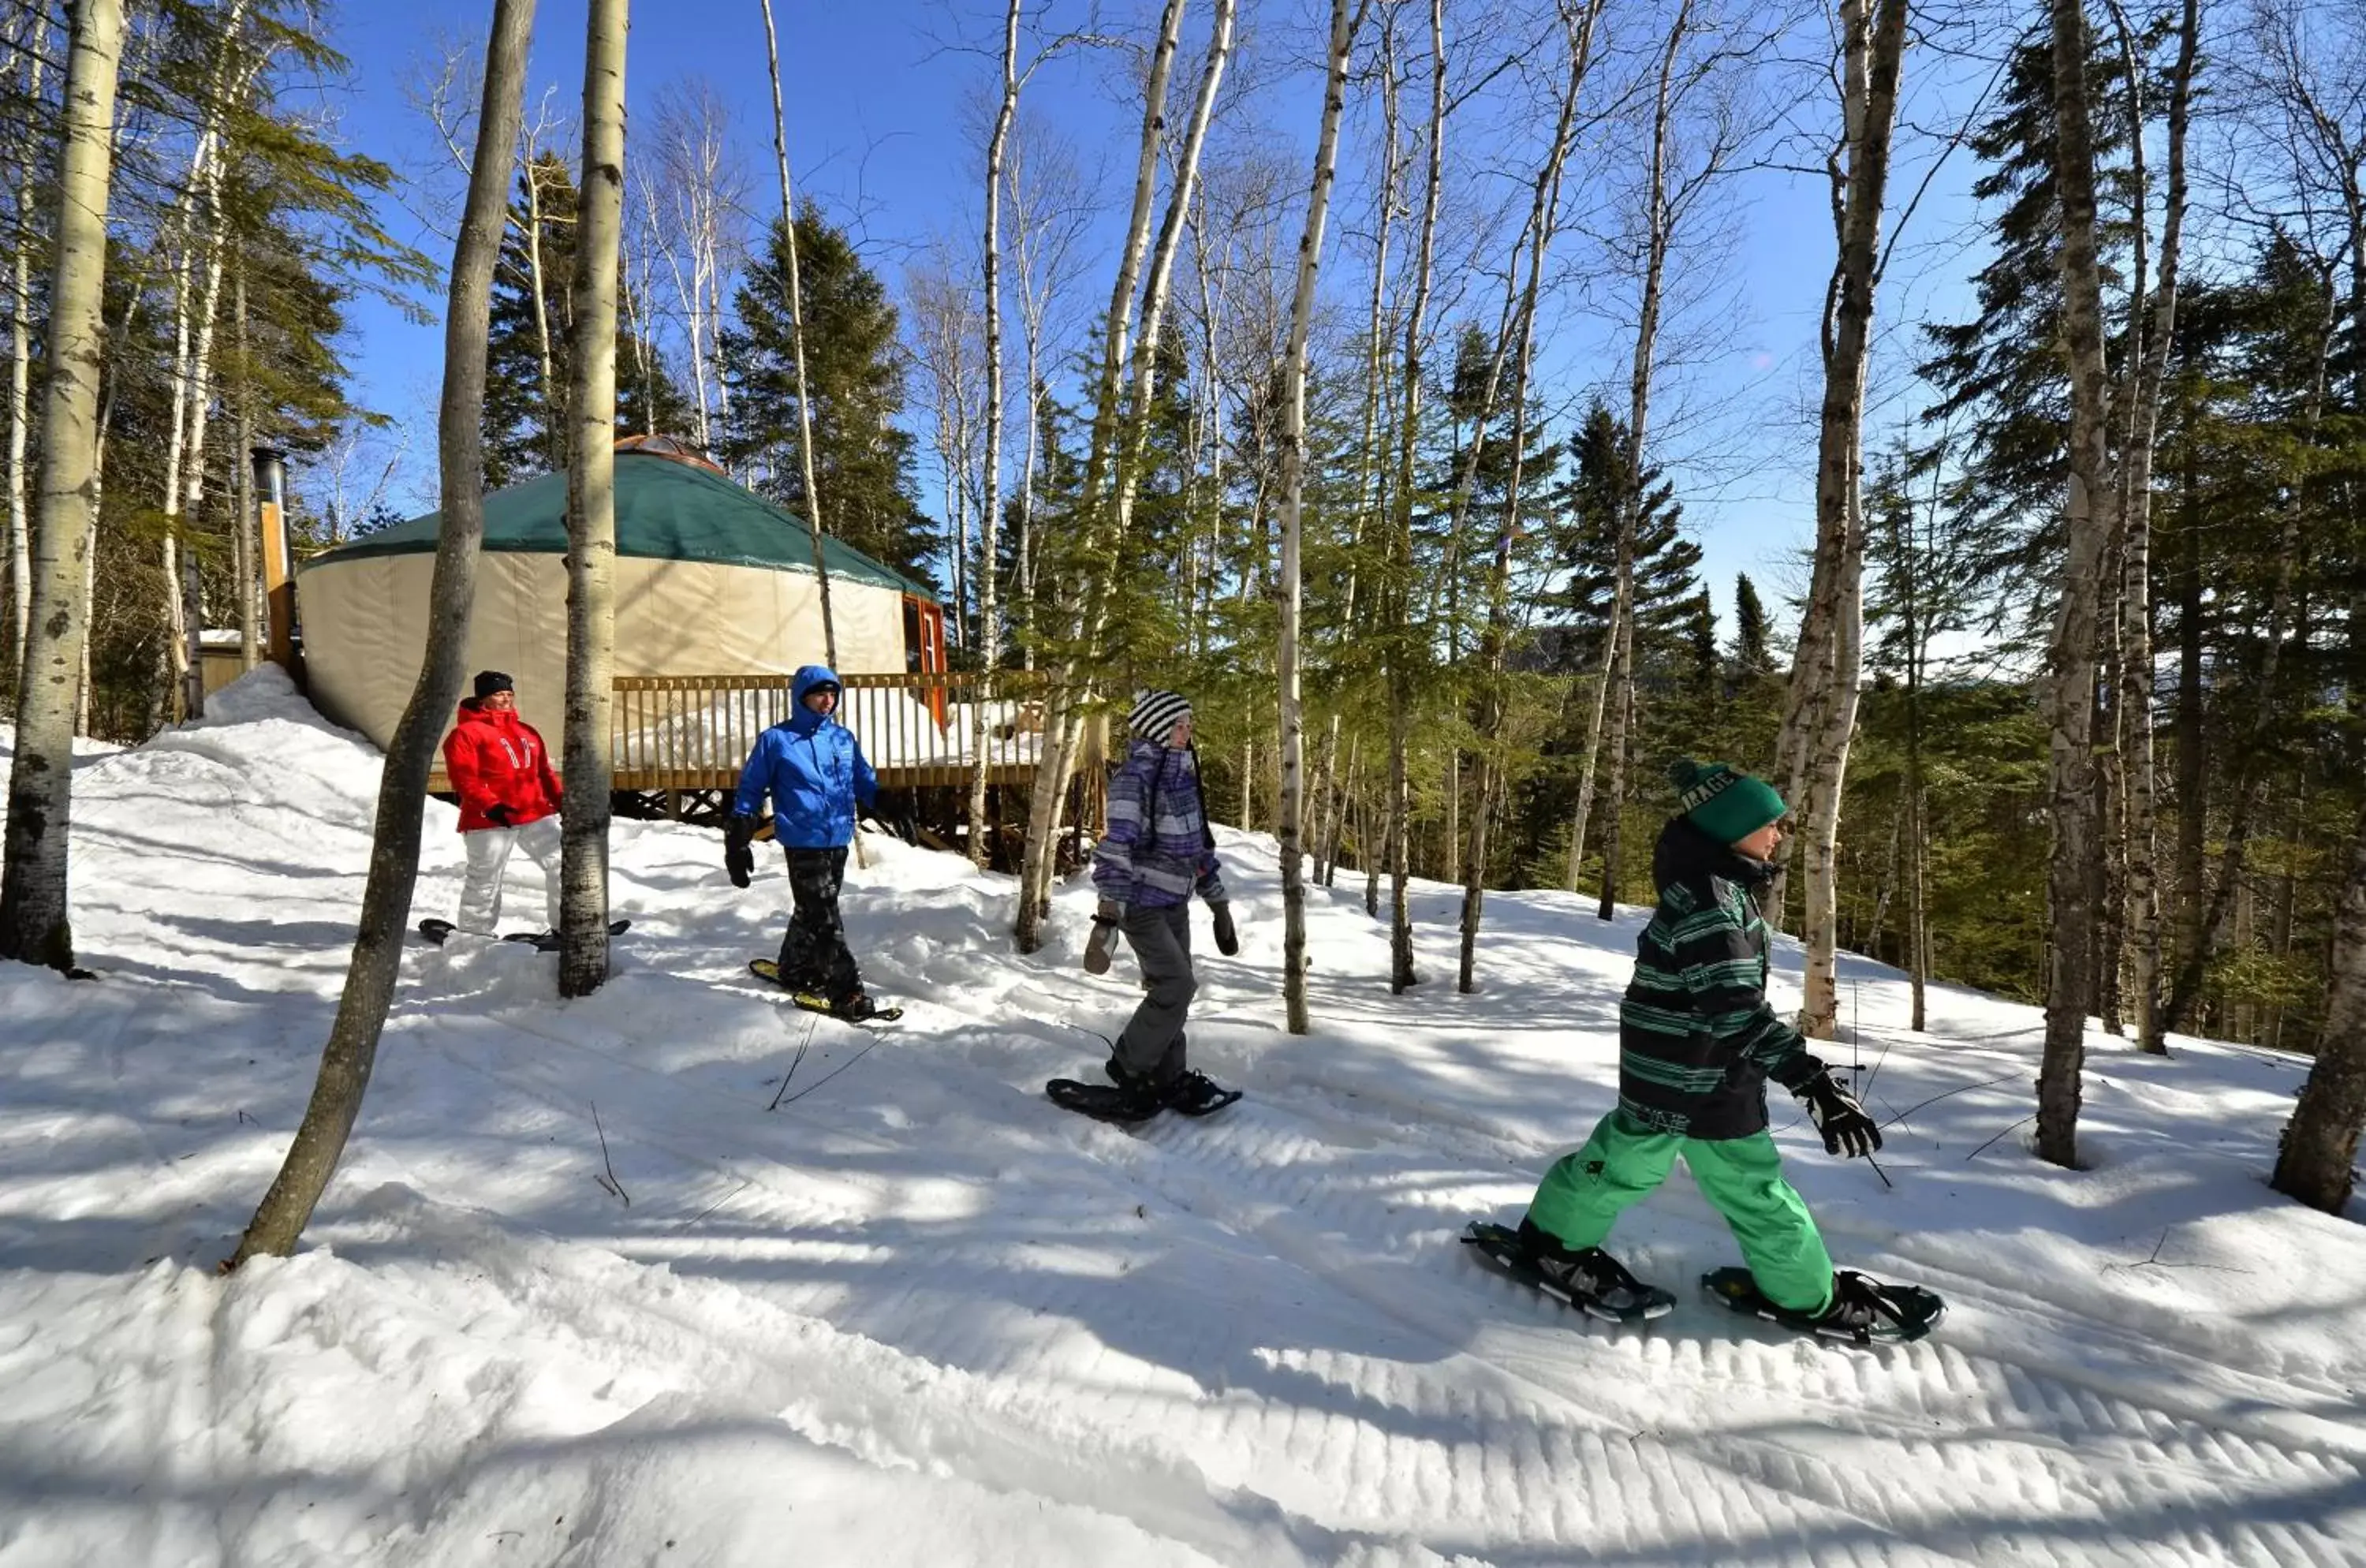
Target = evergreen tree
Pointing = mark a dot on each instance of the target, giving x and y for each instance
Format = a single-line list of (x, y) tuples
[(1751, 657), (525, 417), (854, 374)]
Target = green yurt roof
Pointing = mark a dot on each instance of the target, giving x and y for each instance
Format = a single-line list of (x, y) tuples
[(666, 510)]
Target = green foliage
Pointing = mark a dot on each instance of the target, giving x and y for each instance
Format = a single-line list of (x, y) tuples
[(525, 422), (855, 376)]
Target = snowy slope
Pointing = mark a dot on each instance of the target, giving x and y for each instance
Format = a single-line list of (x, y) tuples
[(916, 1316)]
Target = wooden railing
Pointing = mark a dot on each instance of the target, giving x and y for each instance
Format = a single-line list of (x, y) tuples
[(682, 732)]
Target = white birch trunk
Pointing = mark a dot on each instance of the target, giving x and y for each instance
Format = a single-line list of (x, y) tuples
[(592, 509), (814, 512), (20, 370), (2142, 916), (1608, 696), (1402, 653), (1293, 468), (1119, 434), (988, 611), (35, 923)]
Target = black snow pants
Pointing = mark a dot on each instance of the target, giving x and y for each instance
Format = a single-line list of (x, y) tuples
[(814, 955)]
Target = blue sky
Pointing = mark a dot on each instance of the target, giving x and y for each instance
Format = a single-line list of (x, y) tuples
[(879, 98)]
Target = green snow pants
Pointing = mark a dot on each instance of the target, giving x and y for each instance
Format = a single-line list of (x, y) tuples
[(1584, 1194)]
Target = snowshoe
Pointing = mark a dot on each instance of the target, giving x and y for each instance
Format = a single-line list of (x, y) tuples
[(860, 1009), (1196, 1094), (436, 930), (1863, 1309), (1593, 1281), (1124, 1104), (547, 942)]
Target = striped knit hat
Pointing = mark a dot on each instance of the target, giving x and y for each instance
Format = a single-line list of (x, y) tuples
[(1723, 802), (1156, 715)]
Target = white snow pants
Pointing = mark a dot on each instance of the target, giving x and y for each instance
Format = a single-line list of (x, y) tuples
[(489, 854)]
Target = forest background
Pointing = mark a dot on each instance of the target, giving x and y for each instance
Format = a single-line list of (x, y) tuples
[(1632, 244)]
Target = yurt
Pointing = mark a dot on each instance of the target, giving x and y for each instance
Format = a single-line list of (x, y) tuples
[(711, 580)]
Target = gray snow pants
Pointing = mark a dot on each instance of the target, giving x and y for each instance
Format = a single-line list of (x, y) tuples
[(1151, 1045)]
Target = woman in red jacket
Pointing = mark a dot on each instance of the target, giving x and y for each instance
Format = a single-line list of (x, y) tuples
[(509, 799)]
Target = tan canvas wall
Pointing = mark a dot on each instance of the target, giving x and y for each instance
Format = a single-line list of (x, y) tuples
[(365, 629)]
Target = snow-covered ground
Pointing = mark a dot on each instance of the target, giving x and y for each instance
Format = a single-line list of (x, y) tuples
[(912, 1313)]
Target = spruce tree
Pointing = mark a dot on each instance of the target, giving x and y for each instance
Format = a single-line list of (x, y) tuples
[(1751, 657), (854, 373), (525, 418)]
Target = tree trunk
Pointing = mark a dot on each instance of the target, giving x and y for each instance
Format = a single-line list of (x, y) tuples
[(2070, 682), (1399, 645), (1120, 430), (35, 924), (989, 617), (1536, 239), (1606, 689), (1614, 787), (1293, 469), (20, 372), (352, 1050), (2142, 916), (2317, 1160), (1820, 716), (815, 514), (591, 510)]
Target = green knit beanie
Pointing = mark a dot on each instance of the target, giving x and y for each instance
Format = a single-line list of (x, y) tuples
[(1722, 801)]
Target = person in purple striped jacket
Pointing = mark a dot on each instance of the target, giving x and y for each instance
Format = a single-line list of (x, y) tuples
[(1157, 852)]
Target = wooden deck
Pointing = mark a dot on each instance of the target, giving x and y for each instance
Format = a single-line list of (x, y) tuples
[(682, 740)]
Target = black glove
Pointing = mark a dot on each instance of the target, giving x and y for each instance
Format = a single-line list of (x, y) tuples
[(1847, 1130), (738, 857), (1098, 945), (498, 814), (1228, 940)]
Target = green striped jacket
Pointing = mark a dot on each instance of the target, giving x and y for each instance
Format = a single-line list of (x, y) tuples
[(1696, 1039)]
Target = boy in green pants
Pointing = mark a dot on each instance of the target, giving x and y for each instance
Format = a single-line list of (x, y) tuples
[(1697, 1042)]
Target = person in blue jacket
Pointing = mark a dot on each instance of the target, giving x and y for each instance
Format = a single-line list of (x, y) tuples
[(814, 770)]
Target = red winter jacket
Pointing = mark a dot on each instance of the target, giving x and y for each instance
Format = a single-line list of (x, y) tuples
[(496, 758)]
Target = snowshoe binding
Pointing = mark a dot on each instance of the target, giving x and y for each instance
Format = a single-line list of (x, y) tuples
[(1593, 1281), (857, 1009), (1123, 1104), (1863, 1309), (1194, 1093), (547, 942)]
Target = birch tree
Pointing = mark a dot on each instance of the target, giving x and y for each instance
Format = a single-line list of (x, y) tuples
[(1106, 498), (35, 48), (814, 511), (1293, 460), (990, 621), (1820, 716), (2088, 517), (591, 511), (1544, 219), (352, 1050), (1401, 650), (35, 923), (2157, 332)]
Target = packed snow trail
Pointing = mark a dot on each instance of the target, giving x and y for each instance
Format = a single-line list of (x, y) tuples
[(914, 1313)]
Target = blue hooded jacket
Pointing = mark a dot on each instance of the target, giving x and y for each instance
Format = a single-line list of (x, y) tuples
[(814, 770)]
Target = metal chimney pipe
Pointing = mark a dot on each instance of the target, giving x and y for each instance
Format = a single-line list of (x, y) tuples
[(270, 465)]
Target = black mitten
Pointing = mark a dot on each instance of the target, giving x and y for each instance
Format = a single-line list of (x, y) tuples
[(738, 857), (1228, 939), (498, 814), (1847, 1130)]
